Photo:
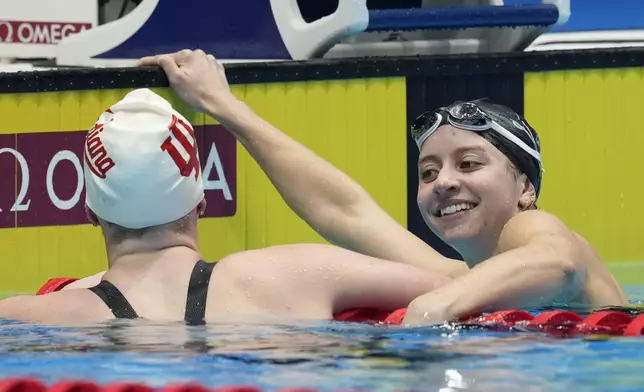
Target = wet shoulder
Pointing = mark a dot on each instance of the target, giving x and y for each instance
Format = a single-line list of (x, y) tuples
[(70, 307), (526, 226), (546, 228), (291, 252)]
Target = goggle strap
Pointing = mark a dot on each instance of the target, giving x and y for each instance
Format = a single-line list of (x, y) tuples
[(429, 131), (511, 137)]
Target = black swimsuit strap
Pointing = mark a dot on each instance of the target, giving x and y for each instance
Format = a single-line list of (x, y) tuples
[(195, 303), (114, 300), (198, 293)]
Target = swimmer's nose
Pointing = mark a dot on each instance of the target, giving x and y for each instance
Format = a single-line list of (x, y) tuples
[(446, 184)]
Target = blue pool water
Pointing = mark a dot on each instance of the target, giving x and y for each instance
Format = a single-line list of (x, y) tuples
[(326, 356)]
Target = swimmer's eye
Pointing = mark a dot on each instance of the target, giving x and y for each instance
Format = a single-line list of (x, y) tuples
[(428, 175)]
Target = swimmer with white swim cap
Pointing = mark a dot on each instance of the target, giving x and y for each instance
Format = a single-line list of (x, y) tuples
[(480, 177), (144, 189)]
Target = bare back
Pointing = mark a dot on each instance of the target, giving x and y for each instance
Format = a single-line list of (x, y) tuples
[(307, 281)]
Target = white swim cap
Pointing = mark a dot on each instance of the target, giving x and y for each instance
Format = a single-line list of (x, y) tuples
[(142, 163)]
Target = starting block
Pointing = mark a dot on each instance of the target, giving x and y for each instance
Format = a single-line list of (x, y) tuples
[(241, 30), (275, 30)]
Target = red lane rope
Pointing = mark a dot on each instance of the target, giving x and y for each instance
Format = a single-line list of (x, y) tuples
[(555, 322)]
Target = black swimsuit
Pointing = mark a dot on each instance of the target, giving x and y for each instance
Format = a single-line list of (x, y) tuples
[(195, 303)]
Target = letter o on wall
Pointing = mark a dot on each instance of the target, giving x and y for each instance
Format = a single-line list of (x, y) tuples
[(64, 155)]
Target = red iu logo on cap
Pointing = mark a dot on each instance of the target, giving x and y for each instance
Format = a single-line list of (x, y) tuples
[(192, 164)]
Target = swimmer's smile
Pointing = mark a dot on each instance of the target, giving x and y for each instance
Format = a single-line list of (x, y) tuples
[(453, 209)]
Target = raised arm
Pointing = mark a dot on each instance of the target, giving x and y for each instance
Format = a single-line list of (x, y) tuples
[(333, 204)]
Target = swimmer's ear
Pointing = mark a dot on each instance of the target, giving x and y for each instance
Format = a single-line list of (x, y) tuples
[(201, 207), (528, 193), (91, 216)]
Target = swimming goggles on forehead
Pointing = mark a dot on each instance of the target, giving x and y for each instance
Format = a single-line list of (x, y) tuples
[(467, 116)]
